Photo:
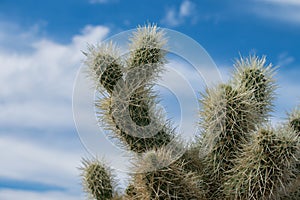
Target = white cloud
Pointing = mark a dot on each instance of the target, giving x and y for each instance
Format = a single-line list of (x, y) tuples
[(283, 11), (186, 8), (14, 38), (285, 2), (28, 161), (36, 86), (175, 17), (171, 18), (30, 195), (288, 91), (284, 60), (101, 1)]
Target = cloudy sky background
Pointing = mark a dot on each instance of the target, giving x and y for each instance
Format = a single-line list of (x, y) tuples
[(40, 54)]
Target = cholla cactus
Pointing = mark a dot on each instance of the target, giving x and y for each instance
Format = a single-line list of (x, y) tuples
[(266, 165), (294, 123), (129, 105), (105, 67), (237, 156), (229, 113), (159, 176), (97, 180), (253, 75), (294, 120)]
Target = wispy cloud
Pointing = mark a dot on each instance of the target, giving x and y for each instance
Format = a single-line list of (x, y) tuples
[(102, 1), (284, 11), (13, 37), (36, 84), (41, 164), (284, 59), (30, 195), (186, 8), (286, 2), (177, 16)]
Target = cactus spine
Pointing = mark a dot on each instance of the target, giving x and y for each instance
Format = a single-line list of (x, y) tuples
[(97, 180), (266, 165), (237, 156)]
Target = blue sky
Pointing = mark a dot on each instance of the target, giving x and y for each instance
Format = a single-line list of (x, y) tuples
[(40, 53)]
